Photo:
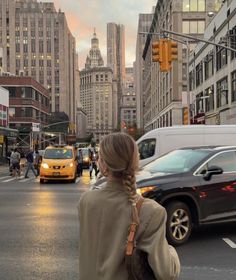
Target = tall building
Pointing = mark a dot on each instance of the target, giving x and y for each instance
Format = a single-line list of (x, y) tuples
[(98, 95), (144, 23), (163, 91), (37, 42), (212, 71), (116, 58), (128, 103)]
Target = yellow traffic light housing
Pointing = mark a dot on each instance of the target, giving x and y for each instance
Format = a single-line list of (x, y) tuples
[(160, 54), (173, 50), (157, 51), (165, 64), (185, 116), (164, 51)]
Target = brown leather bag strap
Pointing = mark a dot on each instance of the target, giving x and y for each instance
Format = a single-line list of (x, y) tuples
[(132, 230)]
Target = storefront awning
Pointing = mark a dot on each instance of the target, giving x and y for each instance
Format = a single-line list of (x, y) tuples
[(9, 132)]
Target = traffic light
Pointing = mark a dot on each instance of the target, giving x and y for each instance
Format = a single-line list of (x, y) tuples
[(160, 53), (172, 51), (157, 51), (165, 64), (185, 115)]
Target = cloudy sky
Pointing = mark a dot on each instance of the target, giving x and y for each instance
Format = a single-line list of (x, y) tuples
[(84, 15)]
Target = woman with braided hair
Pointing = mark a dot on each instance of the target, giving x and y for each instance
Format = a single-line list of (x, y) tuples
[(105, 216)]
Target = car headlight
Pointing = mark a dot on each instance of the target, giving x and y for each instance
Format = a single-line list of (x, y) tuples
[(86, 159), (144, 190), (45, 165), (69, 164)]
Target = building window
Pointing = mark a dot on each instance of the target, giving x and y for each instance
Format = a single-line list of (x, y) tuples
[(199, 103), (221, 57), (194, 6), (26, 92), (209, 98), (12, 112), (232, 38), (199, 74), (209, 66), (193, 26), (222, 92), (233, 97), (191, 80), (12, 91)]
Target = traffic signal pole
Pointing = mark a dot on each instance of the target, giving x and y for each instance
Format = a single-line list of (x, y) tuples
[(187, 43)]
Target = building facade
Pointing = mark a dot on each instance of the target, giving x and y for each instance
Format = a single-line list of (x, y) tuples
[(162, 91), (144, 23), (37, 42), (28, 107), (212, 71), (81, 122), (7, 136), (98, 95), (116, 58), (128, 103)]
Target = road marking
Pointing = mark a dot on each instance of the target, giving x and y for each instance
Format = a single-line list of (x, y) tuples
[(5, 181), (25, 180), (230, 243), (5, 177)]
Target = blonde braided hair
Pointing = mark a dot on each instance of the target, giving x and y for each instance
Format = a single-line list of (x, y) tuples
[(120, 154)]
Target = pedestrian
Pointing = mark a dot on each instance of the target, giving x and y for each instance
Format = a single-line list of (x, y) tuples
[(15, 161), (30, 163), (105, 217), (36, 161), (93, 163), (96, 164), (9, 153), (80, 163)]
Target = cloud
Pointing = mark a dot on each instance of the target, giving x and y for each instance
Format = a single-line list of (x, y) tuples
[(83, 15)]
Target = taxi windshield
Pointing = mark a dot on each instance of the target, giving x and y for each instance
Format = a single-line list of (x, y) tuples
[(58, 154)]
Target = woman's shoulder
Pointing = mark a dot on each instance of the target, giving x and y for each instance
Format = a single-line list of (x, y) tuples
[(151, 207), (91, 195), (152, 204)]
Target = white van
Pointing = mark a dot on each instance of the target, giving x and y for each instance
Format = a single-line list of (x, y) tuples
[(159, 141)]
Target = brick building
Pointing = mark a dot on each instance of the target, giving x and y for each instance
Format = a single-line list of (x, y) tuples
[(28, 106)]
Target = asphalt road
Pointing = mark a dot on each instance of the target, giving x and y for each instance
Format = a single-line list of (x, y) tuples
[(39, 235)]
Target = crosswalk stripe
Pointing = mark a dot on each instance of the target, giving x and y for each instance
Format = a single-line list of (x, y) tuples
[(5, 177), (8, 180), (25, 180)]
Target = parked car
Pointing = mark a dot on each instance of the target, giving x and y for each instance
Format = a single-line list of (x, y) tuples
[(196, 185)]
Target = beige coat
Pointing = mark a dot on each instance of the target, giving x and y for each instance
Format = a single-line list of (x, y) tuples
[(104, 217)]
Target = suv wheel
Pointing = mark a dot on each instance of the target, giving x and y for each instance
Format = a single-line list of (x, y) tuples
[(41, 181), (179, 223)]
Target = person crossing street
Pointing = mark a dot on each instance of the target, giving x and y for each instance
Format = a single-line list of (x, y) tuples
[(30, 164)]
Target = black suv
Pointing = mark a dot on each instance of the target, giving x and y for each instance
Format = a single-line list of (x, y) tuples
[(196, 185)]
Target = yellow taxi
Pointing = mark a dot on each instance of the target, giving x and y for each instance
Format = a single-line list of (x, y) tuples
[(59, 162)]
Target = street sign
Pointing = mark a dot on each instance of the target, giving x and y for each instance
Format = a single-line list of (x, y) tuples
[(35, 127)]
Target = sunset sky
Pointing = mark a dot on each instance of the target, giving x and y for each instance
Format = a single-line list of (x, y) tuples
[(84, 15)]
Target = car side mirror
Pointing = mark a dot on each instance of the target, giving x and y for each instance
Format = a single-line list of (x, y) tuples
[(212, 170)]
